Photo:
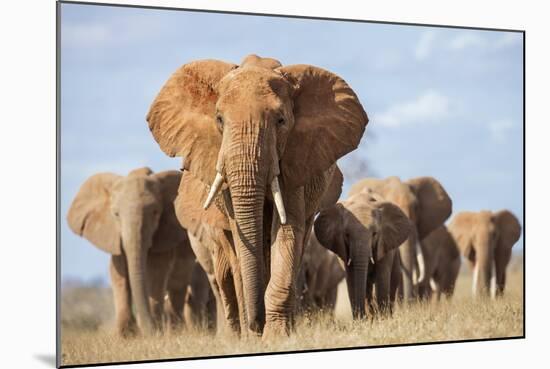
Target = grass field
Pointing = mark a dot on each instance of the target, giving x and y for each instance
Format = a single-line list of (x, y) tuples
[(88, 335)]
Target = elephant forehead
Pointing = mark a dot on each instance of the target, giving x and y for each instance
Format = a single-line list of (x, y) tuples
[(138, 189), (250, 81), (360, 214)]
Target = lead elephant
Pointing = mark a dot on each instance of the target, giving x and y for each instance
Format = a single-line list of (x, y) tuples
[(365, 231), (486, 239), (442, 259), (260, 142), (132, 218), (426, 204)]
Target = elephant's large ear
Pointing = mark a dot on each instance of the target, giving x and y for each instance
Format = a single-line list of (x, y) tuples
[(329, 122), (395, 228), (329, 230), (170, 232), (90, 213), (509, 228), (189, 206), (434, 204), (182, 117)]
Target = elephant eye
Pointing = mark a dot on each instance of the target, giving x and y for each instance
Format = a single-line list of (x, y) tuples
[(219, 121), (115, 213), (281, 121)]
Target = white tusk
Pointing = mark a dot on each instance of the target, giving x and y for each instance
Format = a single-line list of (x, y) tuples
[(278, 198), (421, 264), (216, 185)]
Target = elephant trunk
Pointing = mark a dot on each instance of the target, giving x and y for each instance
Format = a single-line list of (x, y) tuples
[(136, 255), (246, 167), (483, 271), (356, 280), (408, 256)]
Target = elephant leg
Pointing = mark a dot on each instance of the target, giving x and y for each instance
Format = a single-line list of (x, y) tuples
[(125, 320), (178, 280), (228, 295), (173, 307), (447, 277), (211, 310), (196, 298), (369, 296), (435, 286), (431, 256), (330, 299), (159, 267), (286, 254), (382, 282), (502, 258), (395, 284)]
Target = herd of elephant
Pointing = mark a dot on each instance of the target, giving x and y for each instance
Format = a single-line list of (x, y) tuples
[(250, 232)]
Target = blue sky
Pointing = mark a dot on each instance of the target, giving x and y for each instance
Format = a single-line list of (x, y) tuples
[(442, 102)]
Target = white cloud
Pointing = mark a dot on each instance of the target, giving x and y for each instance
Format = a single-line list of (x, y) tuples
[(507, 40), (465, 40), (499, 130), (431, 106), (85, 34), (111, 31), (424, 45)]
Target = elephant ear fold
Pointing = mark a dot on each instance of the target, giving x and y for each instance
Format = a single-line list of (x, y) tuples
[(90, 213), (329, 230), (434, 204), (189, 206), (182, 117), (509, 228), (170, 232), (329, 122), (334, 189), (395, 228)]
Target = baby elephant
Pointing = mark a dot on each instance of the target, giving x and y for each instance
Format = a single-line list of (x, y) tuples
[(442, 264), (320, 275), (365, 231), (486, 239), (132, 218)]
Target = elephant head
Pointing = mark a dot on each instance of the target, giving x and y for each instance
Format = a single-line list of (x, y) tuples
[(255, 130), (426, 204), (486, 238), (130, 215), (360, 229)]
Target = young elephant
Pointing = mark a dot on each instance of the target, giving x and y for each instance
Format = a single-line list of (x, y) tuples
[(365, 231), (322, 271), (427, 205), (442, 264), (189, 299), (486, 239), (133, 219)]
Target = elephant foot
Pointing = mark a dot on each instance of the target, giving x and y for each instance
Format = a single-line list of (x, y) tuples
[(275, 330), (128, 329)]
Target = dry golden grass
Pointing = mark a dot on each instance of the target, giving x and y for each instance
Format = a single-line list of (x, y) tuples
[(458, 319)]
